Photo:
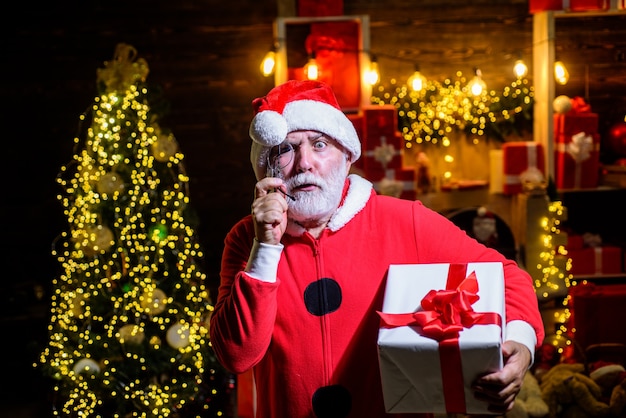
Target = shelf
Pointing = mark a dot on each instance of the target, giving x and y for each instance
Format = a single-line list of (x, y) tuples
[(596, 189), (587, 13), (600, 279)]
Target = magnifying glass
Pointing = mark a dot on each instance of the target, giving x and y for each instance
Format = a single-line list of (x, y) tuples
[(279, 157)]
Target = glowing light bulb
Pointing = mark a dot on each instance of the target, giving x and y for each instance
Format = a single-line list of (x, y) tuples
[(372, 76), (417, 81), (311, 70), (520, 69), (561, 75), (268, 64), (477, 86)]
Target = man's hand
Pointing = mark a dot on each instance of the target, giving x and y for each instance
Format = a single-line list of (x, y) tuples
[(269, 211), (499, 389)]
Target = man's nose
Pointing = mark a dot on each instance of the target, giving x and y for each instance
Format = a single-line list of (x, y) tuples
[(303, 158)]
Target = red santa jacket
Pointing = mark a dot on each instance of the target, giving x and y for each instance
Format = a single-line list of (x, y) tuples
[(311, 336)]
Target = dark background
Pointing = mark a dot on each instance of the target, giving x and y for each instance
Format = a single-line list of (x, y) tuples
[(204, 58)]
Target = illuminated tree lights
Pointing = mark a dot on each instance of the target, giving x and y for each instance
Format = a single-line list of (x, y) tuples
[(555, 279), (128, 331)]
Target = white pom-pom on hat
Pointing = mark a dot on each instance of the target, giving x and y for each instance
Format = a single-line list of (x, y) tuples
[(268, 128), (298, 105)]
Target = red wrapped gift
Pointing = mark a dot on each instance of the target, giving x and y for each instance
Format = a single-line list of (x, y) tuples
[(535, 6), (577, 148), (320, 8), (575, 242), (379, 121), (357, 121), (596, 313), (394, 182), (521, 159), (382, 154), (606, 259)]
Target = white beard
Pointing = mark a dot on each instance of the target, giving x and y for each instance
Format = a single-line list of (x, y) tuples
[(319, 204)]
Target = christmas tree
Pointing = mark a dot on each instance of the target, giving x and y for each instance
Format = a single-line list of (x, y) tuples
[(128, 332)]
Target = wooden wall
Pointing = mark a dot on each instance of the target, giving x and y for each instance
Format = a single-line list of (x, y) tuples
[(204, 55)]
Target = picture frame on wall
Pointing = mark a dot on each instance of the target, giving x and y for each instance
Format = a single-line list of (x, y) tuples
[(340, 47)]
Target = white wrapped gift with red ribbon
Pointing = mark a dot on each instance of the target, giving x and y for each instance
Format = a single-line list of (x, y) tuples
[(441, 328)]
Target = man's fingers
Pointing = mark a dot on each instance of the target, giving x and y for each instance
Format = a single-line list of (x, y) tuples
[(267, 186)]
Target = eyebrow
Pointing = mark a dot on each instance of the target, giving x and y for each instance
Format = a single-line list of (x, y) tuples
[(314, 137)]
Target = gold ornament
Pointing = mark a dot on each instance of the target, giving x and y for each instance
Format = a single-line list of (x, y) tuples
[(131, 334), (77, 305), (178, 335), (153, 301), (164, 148), (562, 104), (86, 365), (110, 184), (94, 239)]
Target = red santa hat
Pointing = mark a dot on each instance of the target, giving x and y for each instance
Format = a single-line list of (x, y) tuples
[(298, 105), (600, 369)]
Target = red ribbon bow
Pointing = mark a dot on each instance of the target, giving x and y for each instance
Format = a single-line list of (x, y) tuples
[(579, 105), (445, 312)]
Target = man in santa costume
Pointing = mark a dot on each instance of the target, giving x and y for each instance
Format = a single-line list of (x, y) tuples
[(303, 275)]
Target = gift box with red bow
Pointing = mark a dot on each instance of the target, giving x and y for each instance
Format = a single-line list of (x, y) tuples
[(380, 153), (394, 182), (522, 161), (577, 147), (381, 141), (441, 327)]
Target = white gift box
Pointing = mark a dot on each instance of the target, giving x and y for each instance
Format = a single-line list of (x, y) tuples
[(413, 366)]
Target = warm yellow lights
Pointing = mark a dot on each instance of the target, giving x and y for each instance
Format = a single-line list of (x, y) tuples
[(441, 108), (477, 85), (130, 278), (417, 82), (561, 75), (269, 63), (554, 266), (372, 75), (311, 69), (520, 69)]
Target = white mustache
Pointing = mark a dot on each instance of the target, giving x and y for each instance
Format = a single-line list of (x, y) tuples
[(304, 178)]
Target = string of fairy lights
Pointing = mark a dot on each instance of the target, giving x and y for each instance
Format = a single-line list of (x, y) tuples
[(430, 113), (554, 279), (129, 313)]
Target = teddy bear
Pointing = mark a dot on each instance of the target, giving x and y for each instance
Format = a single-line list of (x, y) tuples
[(528, 403), (570, 393), (617, 402)]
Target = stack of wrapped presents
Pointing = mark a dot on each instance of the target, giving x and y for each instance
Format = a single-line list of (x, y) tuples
[(382, 158)]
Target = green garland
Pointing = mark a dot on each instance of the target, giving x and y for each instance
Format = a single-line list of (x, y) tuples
[(430, 115)]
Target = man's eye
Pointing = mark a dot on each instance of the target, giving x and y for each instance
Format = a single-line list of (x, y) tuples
[(319, 144)]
